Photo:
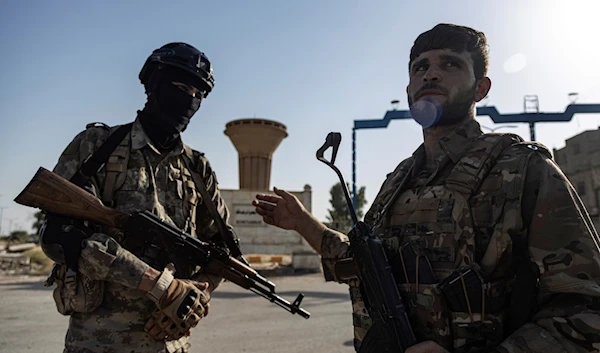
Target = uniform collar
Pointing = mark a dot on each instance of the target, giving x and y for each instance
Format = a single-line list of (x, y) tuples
[(139, 139), (452, 146), (456, 144)]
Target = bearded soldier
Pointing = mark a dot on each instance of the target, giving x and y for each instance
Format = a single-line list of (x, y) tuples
[(491, 247)]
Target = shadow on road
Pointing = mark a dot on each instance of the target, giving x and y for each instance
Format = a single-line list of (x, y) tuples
[(307, 295), (33, 285)]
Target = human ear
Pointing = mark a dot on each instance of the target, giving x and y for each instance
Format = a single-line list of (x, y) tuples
[(483, 88)]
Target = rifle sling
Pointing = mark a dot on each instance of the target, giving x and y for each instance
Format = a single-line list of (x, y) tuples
[(81, 178), (95, 162), (212, 209)]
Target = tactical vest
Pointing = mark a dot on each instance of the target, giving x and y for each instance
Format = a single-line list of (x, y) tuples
[(444, 241), (115, 177)]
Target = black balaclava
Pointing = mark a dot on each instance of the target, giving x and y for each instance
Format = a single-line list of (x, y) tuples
[(169, 109)]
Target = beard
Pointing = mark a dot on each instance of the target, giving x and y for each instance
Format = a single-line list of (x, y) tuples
[(429, 112)]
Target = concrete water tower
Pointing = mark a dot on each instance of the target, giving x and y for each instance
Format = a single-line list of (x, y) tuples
[(255, 140)]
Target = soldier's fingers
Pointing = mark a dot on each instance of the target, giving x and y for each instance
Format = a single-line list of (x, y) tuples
[(194, 319), (201, 285), (268, 198), (206, 307), (284, 194), (204, 298), (150, 324), (264, 205), (157, 333)]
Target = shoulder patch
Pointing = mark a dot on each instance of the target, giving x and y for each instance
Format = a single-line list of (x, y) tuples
[(97, 124)]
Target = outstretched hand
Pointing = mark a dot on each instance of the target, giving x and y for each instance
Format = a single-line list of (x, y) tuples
[(282, 210)]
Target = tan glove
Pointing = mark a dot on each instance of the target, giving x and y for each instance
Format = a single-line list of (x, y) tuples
[(181, 304)]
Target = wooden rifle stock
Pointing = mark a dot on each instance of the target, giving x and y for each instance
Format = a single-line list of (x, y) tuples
[(52, 193), (56, 195)]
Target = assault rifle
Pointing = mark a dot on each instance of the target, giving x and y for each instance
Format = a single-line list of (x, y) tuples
[(53, 194), (391, 330)]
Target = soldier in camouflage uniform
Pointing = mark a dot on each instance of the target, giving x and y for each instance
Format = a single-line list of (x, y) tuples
[(489, 243), (123, 296)]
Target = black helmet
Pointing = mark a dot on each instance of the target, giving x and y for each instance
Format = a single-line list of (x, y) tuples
[(182, 56)]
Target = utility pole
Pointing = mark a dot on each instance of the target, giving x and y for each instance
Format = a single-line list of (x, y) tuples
[(1, 211), (10, 222), (531, 115)]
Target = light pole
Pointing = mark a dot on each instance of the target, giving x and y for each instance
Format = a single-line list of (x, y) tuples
[(10, 222), (1, 211)]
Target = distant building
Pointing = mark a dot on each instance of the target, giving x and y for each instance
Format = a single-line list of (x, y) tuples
[(580, 161), (256, 140)]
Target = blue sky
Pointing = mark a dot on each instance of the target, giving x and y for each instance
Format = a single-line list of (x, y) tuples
[(314, 66)]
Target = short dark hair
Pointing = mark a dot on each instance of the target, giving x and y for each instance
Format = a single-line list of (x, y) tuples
[(458, 39)]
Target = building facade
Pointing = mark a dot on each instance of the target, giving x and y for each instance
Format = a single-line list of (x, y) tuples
[(256, 140), (580, 161)]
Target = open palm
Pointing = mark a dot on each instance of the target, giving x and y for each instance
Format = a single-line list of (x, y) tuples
[(282, 210)]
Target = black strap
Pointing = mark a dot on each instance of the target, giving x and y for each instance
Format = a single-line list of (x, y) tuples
[(523, 299), (92, 165), (71, 244), (226, 232)]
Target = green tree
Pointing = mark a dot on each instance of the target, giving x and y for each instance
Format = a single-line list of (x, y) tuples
[(18, 236), (339, 216), (38, 221)]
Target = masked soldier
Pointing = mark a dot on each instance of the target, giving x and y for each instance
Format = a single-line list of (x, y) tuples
[(121, 293), (491, 247)]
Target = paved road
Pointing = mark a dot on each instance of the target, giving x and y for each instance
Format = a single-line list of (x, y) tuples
[(239, 321)]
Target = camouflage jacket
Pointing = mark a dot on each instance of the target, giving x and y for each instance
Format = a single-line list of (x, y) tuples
[(151, 181), (525, 199)]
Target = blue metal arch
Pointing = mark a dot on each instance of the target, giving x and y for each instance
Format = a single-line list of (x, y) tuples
[(490, 111)]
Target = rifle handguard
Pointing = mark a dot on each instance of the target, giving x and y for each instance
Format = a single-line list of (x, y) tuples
[(162, 284)]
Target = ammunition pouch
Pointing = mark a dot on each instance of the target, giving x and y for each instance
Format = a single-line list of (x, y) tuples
[(74, 292), (61, 237), (61, 240), (477, 309)]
